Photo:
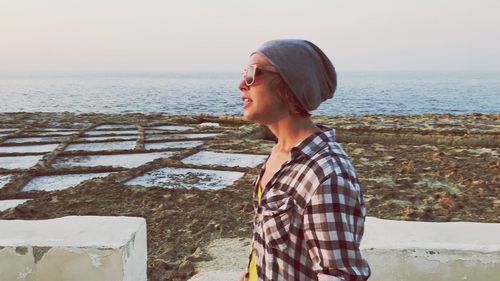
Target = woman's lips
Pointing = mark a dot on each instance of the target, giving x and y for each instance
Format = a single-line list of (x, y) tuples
[(246, 102)]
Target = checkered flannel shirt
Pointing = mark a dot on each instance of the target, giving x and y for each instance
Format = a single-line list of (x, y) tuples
[(309, 222)]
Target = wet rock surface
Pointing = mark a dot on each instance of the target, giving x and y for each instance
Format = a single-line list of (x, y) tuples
[(424, 167)]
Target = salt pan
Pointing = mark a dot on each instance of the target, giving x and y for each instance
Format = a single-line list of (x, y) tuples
[(171, 128), (53, 132), (127, 137), (172, 144), (129, 160), (4, 179), (59, 182), (100, 146), (11, 203), (153, 131), (224, 159), (186, 178), (28, 148), (59, 130), (35, 139), (180, 136), (116, 126), (116, 132), (19, 162)]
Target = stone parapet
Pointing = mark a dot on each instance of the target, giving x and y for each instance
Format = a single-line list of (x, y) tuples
[(440, 251), (74, 248), (395, 250)]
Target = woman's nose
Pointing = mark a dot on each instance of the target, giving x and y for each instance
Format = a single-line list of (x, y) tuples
[(242, 86)]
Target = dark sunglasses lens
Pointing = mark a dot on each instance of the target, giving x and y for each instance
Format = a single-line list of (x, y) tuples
[(250, 75)]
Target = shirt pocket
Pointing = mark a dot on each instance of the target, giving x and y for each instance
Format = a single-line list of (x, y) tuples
[(277, 215)]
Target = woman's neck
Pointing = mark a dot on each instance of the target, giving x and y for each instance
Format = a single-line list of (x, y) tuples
[(291, 131)]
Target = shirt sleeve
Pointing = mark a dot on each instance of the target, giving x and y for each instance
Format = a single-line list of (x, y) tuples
[(333, 226)]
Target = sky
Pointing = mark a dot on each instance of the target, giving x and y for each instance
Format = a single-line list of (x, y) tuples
[(164, 36)]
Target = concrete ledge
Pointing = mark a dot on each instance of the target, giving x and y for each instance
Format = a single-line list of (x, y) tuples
[(218, 275), (230, 257), (411, 251), (395, 250), (74, 248)]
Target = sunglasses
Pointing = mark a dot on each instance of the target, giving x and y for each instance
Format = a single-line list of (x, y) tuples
[(249, 73)]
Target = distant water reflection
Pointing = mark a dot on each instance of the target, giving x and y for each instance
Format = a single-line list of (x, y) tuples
[(357, 93)]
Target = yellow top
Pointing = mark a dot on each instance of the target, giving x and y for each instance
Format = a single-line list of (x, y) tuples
[(252, 266)]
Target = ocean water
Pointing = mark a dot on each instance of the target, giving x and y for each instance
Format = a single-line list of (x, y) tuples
[(357, 93)]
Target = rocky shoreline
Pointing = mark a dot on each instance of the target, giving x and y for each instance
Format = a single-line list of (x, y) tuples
[(422, 167)]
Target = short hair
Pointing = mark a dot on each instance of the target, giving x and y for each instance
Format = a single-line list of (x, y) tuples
[(286, 95)]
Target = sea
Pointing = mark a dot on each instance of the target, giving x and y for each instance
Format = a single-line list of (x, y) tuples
[(358, 93)]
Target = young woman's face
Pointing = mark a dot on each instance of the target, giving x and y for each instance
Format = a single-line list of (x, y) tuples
[(260, 103)]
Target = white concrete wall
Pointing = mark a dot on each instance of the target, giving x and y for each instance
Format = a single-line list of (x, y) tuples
[(74, 248), (396, 251), (414, 251)]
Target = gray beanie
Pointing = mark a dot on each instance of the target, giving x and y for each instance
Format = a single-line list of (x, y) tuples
[(305, 69)]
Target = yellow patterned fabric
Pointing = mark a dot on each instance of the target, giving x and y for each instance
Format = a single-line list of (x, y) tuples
[(252, 266)]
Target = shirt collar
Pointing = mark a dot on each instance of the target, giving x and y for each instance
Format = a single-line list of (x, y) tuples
[(312, 144)]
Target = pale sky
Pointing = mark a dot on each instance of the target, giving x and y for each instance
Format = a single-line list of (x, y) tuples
[(138, 36)]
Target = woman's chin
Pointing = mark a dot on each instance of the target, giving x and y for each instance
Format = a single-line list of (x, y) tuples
[(247, 116)]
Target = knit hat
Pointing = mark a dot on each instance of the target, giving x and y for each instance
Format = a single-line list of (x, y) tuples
[(304, 68)]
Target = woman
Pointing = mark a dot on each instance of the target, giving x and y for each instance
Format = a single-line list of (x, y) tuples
[(309, 210)]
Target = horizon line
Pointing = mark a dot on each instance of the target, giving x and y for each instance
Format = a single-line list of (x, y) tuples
[(161, 73)]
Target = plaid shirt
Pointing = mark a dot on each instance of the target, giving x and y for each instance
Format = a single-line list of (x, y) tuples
[(309, 222)]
